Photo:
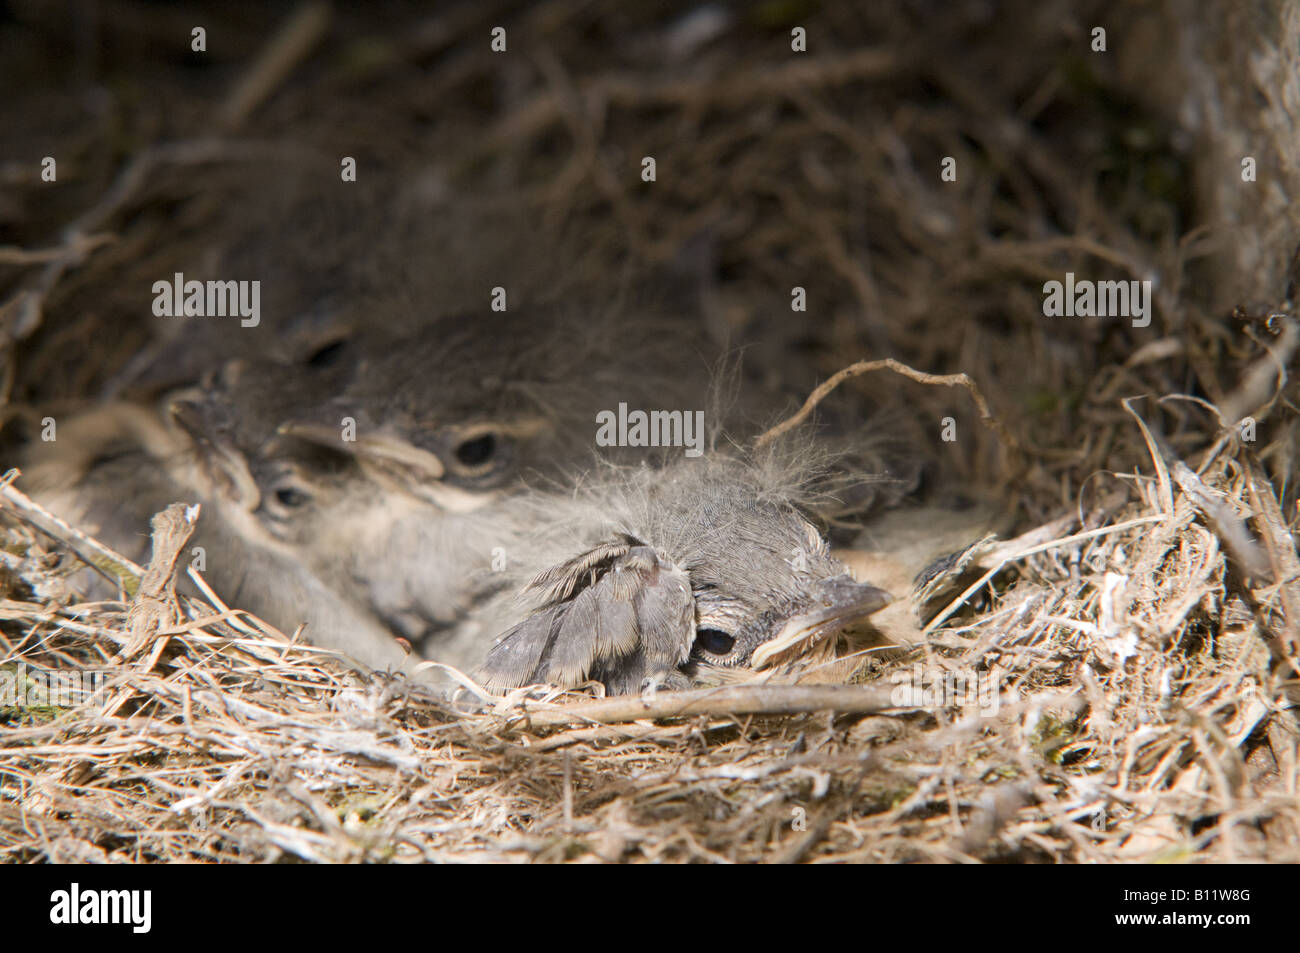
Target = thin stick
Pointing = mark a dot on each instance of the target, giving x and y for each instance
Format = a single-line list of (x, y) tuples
[(77, 246), (731, 700), (290, 45), (154, 606), (1006, 560), (863, 367), (115, 567)]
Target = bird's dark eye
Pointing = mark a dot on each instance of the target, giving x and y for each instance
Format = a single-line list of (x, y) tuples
[(290, 497), (478, 451), (714, 641)]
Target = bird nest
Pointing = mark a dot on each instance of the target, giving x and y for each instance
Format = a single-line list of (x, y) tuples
[(1115, 697), (1117, 682)]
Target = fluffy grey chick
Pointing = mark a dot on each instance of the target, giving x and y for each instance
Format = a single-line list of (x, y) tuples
[(112, 467), (685, 576), (446, 427), (477, 402), (417, 565)]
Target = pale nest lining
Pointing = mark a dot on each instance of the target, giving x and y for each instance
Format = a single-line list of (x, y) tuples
[(1141, 712)]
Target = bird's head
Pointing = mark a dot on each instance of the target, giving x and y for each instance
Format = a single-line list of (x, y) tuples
[(279, 486)]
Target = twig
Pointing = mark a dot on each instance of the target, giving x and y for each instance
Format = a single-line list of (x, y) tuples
[(78, 246), (1157, 460), (290, 45), (731, 700), (1265, 378), (863, 367), (633, 90), (154, 605), (821, 826), (1282, 556), (1005, 558), (1223, 520), (115, 567)]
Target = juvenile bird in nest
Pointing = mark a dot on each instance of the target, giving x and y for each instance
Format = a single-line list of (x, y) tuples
[(382, 469), (473, 403), (416, 565), (112, 467), (706, 571), (391, 470)]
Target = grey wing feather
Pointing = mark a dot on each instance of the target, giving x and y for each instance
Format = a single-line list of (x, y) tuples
[(515, 658), (637, 617), (598, 625), (665, 611), (559, 582)]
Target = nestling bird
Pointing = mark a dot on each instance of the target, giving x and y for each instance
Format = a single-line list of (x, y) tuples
[(472, 403), (112, 467), (690, 575), (415, 565), (391, 469), (682, 575)]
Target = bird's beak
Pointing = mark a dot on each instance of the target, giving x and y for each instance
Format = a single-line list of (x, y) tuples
[(379, 448), (318, 434), (844, 602), (388, 449), (398, 464)]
